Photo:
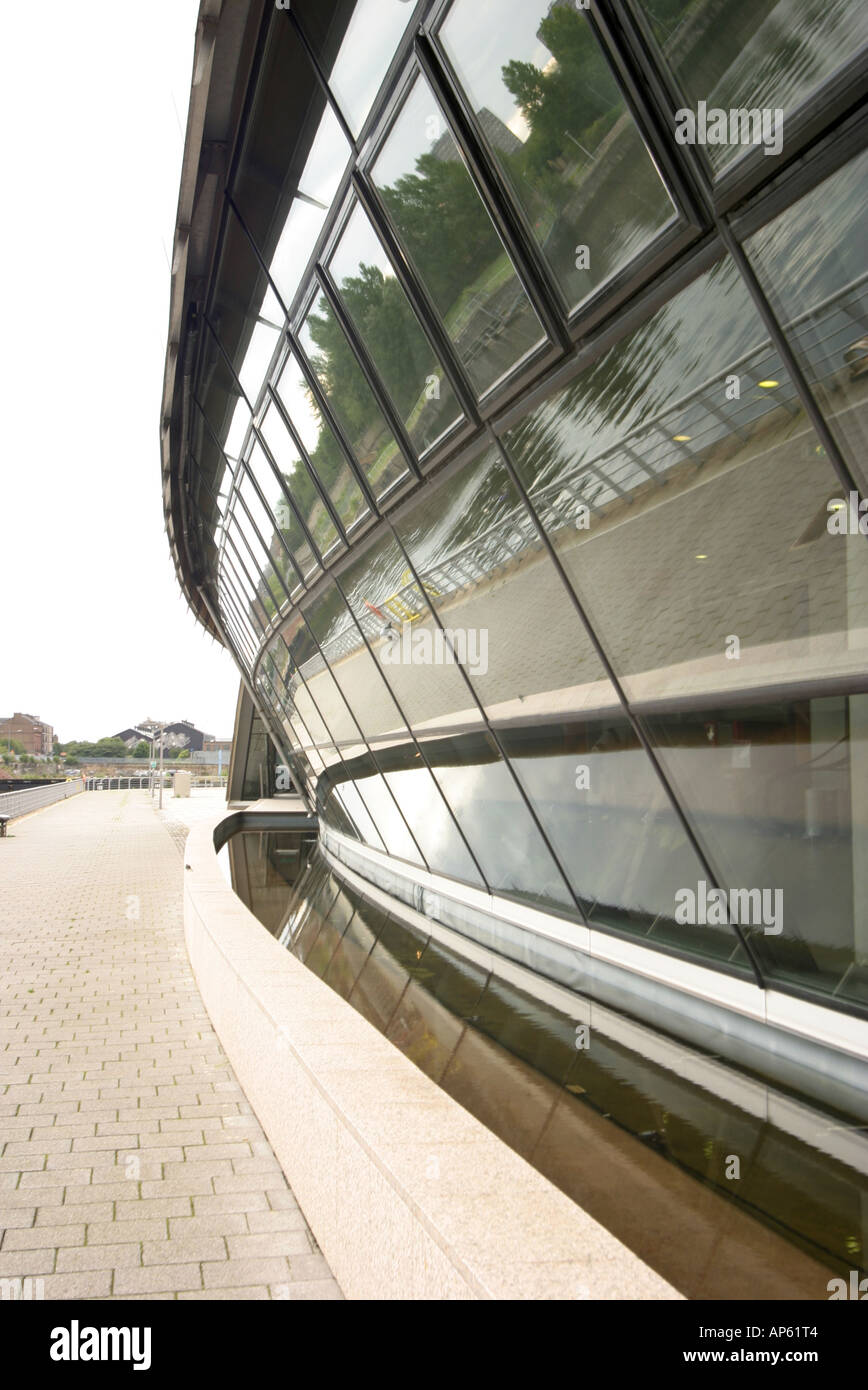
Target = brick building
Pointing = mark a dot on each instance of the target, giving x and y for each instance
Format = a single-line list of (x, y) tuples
[(29, 731)]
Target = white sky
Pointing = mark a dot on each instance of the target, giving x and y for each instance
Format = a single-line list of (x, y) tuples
[(94, 633)]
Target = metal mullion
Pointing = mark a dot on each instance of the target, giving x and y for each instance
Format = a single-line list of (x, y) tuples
[(419, 747), (634, 721), (286, 703), (648, 94), (266, 551), (789, 360), (324, 407), (648, 300), (324, 721), (276, 735), (321, 78), (231, 540), (417, 294), (521, 247), (235, 571), (264, 446), (270, 392), (366, 199), (362, 736), (278, 405), (488, 726), (221, 513), (229, 626), (278, 533), (267, 505), (229, 596), (242, 395), (832, 102), (369, 371), (233, 499), (821, 161), (230, 570)]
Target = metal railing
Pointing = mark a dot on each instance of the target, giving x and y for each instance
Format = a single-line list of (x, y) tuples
[(13, 804), (117, 784)]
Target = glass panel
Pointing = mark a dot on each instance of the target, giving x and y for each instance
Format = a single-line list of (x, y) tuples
[(244, 584), (297, 481), (252, 563), (779, 793), (343, 384), (811, 264), (391, 333), (599, 812), (737, 546), (271, 536), (727, 584), (260, 350), (760, 53), (452, 242), (355, 45), (317, 186), (327, 617), (320, 444), (249, 552), (561, 134)]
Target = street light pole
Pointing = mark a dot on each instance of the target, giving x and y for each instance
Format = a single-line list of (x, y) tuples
[(162, 727)]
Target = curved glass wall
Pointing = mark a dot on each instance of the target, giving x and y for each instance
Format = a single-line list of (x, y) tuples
[(592, 640)]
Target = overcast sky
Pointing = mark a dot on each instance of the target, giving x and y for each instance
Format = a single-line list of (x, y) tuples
[(95, 633)]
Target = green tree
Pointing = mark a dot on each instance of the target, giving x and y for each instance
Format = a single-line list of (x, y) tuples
[(141, 750), (568, 99)]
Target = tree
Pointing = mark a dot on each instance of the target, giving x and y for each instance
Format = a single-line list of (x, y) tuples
[(141, 749)]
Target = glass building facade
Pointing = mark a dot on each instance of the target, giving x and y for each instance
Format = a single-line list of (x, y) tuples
[(516, 448)]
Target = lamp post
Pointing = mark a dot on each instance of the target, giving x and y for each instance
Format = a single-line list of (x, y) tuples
[(162, 730)]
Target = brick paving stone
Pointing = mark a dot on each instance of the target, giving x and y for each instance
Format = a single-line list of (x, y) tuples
[(131, 1162)]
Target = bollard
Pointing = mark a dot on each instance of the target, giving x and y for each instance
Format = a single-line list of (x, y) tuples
[(4, 821)]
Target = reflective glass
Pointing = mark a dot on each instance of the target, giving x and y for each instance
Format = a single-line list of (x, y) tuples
[(297, 481), (318, 440), (508, 619), (728, 578), (296, 485), (271, 537), (728, 581), (556, 123), (392, 335), (354, 44), (250, 555), (779, 793), (452, 242), (754, 54), (316, 187), (355, 407), (811, 264)]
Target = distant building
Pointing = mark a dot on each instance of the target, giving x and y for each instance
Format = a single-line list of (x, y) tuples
[(132, 737), (216, 745), (29, 731), (181, 734), (497, 132)]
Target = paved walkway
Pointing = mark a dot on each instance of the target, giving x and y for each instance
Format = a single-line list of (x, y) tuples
[(131, 1165)]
